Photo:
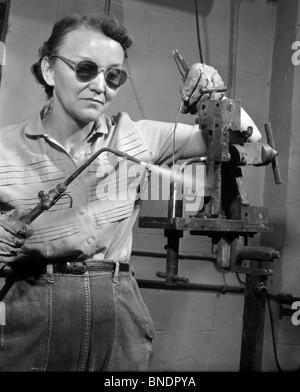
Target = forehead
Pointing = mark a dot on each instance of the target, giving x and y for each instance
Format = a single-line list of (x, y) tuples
[(86, 43)]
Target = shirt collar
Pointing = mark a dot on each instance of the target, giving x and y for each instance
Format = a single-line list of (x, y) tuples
[(35, 127), (101, 126)]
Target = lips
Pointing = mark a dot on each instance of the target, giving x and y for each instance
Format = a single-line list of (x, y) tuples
[(94, 100)]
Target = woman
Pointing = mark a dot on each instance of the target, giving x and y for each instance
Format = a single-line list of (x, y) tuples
[(75, 304)]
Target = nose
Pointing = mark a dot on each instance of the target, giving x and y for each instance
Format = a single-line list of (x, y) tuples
[(98, 84)]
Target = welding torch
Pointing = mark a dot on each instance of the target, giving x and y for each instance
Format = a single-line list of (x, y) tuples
[(47, 200)]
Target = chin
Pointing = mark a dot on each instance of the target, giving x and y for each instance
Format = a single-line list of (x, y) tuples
[(89, 116)]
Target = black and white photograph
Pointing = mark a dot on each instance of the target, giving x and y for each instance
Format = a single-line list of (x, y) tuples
[(149, 195)]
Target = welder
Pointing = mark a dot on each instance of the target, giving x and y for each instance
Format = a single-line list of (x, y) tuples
[(73, 303)]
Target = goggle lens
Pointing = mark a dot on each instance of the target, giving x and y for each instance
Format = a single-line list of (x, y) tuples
[(87, 70)]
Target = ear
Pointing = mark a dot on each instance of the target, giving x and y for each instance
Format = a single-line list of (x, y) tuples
[(47, 71)]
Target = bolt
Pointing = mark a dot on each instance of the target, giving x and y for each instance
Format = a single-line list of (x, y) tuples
[(248, 132), (229, 107), (226, 156)]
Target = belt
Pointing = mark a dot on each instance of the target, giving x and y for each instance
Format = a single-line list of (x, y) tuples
[(80, 268), (75, 267)]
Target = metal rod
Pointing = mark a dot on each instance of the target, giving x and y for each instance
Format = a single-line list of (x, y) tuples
[(93, 157), (189, 161), (48, 200), (173, 183), (179, 286), (181, 64), (275, 164), (189, 256)]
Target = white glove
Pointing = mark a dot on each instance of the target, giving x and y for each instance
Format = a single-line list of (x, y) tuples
[(13, 233), (200, 77)]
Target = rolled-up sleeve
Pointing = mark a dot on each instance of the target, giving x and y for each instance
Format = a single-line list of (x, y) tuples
[(159, 137)]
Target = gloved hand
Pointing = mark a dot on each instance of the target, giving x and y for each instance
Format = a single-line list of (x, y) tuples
[(13, 233), (200, 77)]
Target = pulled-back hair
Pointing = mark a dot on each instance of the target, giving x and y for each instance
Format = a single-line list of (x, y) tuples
[(109, 26)]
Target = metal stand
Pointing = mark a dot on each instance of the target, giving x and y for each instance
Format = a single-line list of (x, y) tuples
[(253, 325), (227, 218)]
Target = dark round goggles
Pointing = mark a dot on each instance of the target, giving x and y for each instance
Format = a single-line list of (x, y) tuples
[(87, 70)]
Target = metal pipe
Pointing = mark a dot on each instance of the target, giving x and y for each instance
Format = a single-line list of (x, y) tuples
[(253, 325), (179, 286), (192, 160), (189, 256), (275, 164), (49, 199), (175, 205)]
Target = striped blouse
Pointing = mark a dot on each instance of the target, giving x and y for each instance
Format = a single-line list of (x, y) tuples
[(94, 219)]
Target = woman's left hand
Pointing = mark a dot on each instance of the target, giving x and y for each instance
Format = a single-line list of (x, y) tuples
[(200, 77)]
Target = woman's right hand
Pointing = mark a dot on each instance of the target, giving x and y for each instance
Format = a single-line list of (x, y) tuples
[(13, 233)]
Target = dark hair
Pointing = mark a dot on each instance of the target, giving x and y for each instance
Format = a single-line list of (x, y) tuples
[(104, 24)]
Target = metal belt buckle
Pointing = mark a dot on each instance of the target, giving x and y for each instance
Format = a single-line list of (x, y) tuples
[(76, 269)]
